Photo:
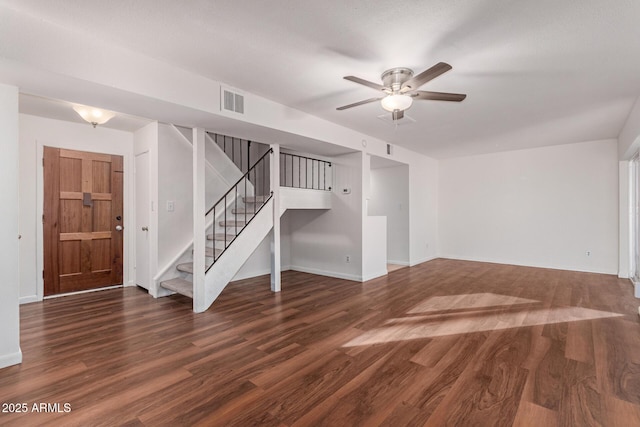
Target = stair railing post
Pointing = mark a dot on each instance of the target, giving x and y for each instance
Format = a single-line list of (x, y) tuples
[(274, 181), (199, 223)]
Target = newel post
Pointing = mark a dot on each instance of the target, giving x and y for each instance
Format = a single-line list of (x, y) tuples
[(275, 239)]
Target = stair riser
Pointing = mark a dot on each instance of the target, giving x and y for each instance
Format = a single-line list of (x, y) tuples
[(180, 286), (187, 267)]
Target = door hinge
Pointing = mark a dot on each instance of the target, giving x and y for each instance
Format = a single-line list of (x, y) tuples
[(43, 218), (43, 274)]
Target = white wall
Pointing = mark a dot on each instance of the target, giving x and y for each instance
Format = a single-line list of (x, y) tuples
[(424, 177), (10, 227), (629, 138), (321, 240), (36, 132), (389, 196), (374, 247), (543, 207), (259, 263), (220, 173), (175, 184)]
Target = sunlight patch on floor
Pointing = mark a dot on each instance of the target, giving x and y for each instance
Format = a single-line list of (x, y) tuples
[(417, 327), (467, 301)]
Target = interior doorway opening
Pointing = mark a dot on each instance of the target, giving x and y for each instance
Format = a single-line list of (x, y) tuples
[(389, 196)]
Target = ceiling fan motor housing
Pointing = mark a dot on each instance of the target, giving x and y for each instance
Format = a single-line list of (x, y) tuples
[(395, 77)]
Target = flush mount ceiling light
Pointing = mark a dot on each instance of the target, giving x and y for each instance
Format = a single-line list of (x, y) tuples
[(92, 115), (401, 88)]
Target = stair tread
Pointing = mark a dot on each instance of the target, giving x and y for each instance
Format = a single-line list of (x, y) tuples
[(179, 285), (255, 199), (187, 267), (219, 237), (232, 223)]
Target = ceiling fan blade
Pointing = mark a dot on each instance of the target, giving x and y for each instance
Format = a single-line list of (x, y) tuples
[(355, 104), (397, 115), (439, 96), (365, 83), (425, 76)]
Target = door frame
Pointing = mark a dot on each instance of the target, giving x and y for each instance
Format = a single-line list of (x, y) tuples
[(127, 200), (634, 222), (151, 235)]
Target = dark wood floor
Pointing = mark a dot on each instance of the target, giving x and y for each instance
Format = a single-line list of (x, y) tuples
[(444, 343)]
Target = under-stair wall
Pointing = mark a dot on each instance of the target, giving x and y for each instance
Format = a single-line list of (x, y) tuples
[(175, 205), (329, 242)]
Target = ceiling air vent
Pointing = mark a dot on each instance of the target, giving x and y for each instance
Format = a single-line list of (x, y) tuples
[(232, 101)]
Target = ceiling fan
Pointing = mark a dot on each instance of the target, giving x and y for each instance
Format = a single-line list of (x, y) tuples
[(400, 87)]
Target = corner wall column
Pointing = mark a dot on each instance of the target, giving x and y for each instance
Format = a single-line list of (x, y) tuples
[(275, 236), (199, 224), (10, 353)]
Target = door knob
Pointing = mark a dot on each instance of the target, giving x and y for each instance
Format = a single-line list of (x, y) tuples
[(118, 228), (145, 228)]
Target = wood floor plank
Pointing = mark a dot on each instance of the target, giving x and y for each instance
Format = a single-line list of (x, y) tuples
[(472, 344), (489, 390), (617, 360), (532, 415), (620, 413), (579, 342), (581, 401)]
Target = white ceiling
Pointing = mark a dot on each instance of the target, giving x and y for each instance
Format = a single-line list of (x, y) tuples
[(62, 110), (536, 73)]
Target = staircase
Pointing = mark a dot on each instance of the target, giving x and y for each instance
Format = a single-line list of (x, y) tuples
[(229, 217), (218, 242), (240, 220)]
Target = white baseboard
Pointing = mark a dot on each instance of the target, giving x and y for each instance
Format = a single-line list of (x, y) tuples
[(319, 272), (422, 260), (11, 359), (534, 265), (374, 276), (391, 261), (28, 299)]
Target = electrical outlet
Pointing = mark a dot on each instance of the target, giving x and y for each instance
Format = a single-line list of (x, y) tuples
[(171, 206), (588, 253), (348, 259)]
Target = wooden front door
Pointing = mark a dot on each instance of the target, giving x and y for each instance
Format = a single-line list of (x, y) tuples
[(82, 220)]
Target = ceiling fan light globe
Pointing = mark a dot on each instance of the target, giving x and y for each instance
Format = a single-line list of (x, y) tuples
[(395, 102)]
